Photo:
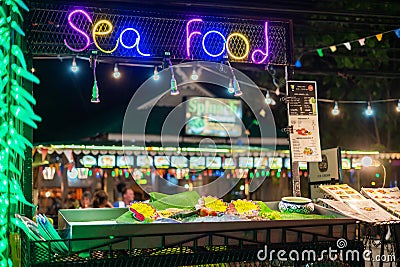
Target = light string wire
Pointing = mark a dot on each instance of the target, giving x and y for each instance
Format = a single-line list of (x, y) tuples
[(263, 89)]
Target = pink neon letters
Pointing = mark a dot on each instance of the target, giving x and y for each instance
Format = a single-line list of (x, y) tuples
[(73, 26)]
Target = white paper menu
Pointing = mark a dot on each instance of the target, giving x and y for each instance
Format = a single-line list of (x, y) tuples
[(389, 198), (342, 192), (345, 209), (371, 210)]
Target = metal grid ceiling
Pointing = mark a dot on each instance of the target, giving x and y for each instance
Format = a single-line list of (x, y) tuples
[(47, 28)]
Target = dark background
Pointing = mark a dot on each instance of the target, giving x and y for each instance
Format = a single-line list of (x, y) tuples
[(364, 73)]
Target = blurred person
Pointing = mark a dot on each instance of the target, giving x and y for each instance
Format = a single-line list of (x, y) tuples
[(86, 199), (100, 200), (127, 198)]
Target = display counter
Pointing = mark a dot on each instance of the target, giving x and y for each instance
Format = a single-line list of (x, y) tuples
[(94, 238)]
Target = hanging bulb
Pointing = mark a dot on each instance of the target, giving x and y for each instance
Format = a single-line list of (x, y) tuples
[(116, 72), (95, 93), (156, 77), (277, 92), (398, 106), (174, 88), (231, 90), (369, 110), (335, 110), (74, 67), (269, 100), (236, 87), (194, 76)]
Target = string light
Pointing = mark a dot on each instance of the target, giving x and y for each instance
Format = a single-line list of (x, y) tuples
[(277, 91), (236, 86), (398, 106), (194, 76), (369, 111), (116, 73), (156, 77), (74, 67), (231, 90), (269, 100), (335, 110)]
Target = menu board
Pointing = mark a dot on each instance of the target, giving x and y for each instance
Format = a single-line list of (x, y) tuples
[(275, 163), (286, 163), (369, 209), (346, 164), (73, 173), (88, 161), (144, 161), (303, 118), (303, 165), (261, 162), (345, 209), (388, 198), (83, 173), (125, 161), (106, 161), (342, 192), (48, 173), (213, 162), (356, 163), (197, 162), (214, 117), (179, 162), (161, 162), (229, 163), (245, 162)]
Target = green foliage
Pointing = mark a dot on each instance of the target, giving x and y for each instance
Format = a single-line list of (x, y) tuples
[(15, 110)]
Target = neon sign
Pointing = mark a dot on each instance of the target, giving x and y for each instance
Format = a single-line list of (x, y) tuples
[(102, 28), (202, 40)]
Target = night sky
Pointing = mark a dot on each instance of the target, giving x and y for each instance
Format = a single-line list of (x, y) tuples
[(63, 99)]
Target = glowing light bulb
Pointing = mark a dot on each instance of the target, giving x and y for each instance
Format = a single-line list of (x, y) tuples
[(156, 77), (335, 110), (277, 92), (116, 73), (369, 111), (366, 161), (194, 76), (231, 90), (398, 106), (74, 67), (33, 70)]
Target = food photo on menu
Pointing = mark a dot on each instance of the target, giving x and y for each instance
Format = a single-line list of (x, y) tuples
[(343, 208), (370, 209), (342, 192), (389, 198)]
